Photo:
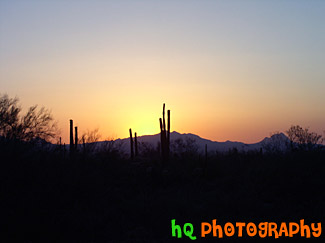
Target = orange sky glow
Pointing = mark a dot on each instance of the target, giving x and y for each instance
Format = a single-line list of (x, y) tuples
[(227, 70)]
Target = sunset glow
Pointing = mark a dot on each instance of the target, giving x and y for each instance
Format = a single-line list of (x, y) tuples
[(227, 70)]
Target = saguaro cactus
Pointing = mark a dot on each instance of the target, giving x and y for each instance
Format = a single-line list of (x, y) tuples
[(76, 137), (165, 135), (136, 144), (71, 136), (131, 144), (168, 131)]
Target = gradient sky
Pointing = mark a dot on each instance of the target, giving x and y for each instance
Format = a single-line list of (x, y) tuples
[(228, 70)]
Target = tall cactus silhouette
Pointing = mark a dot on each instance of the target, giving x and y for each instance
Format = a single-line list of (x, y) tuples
[(71, 136), (76, 137), (165, 135), (131, 144), (136, 144), (168, 133)]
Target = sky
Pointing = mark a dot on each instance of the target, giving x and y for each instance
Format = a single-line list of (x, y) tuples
[(227, 70)]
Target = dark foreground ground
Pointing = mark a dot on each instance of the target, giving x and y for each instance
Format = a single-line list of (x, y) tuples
[(48, 198)]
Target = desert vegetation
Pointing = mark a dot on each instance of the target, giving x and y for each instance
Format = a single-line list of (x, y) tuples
[(52, 193), (35, 124)]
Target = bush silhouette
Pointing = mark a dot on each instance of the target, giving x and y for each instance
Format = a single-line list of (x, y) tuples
[(35, 124), (303, 139)]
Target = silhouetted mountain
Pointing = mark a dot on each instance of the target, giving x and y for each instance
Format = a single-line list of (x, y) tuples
[(278, 141)]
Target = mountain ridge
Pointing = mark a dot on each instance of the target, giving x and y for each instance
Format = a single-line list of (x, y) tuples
[(279, 140)]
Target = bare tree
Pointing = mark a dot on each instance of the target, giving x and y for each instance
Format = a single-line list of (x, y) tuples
[(303, 139), (90, 136), (35, 124), (89, 139), (9, 116)]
